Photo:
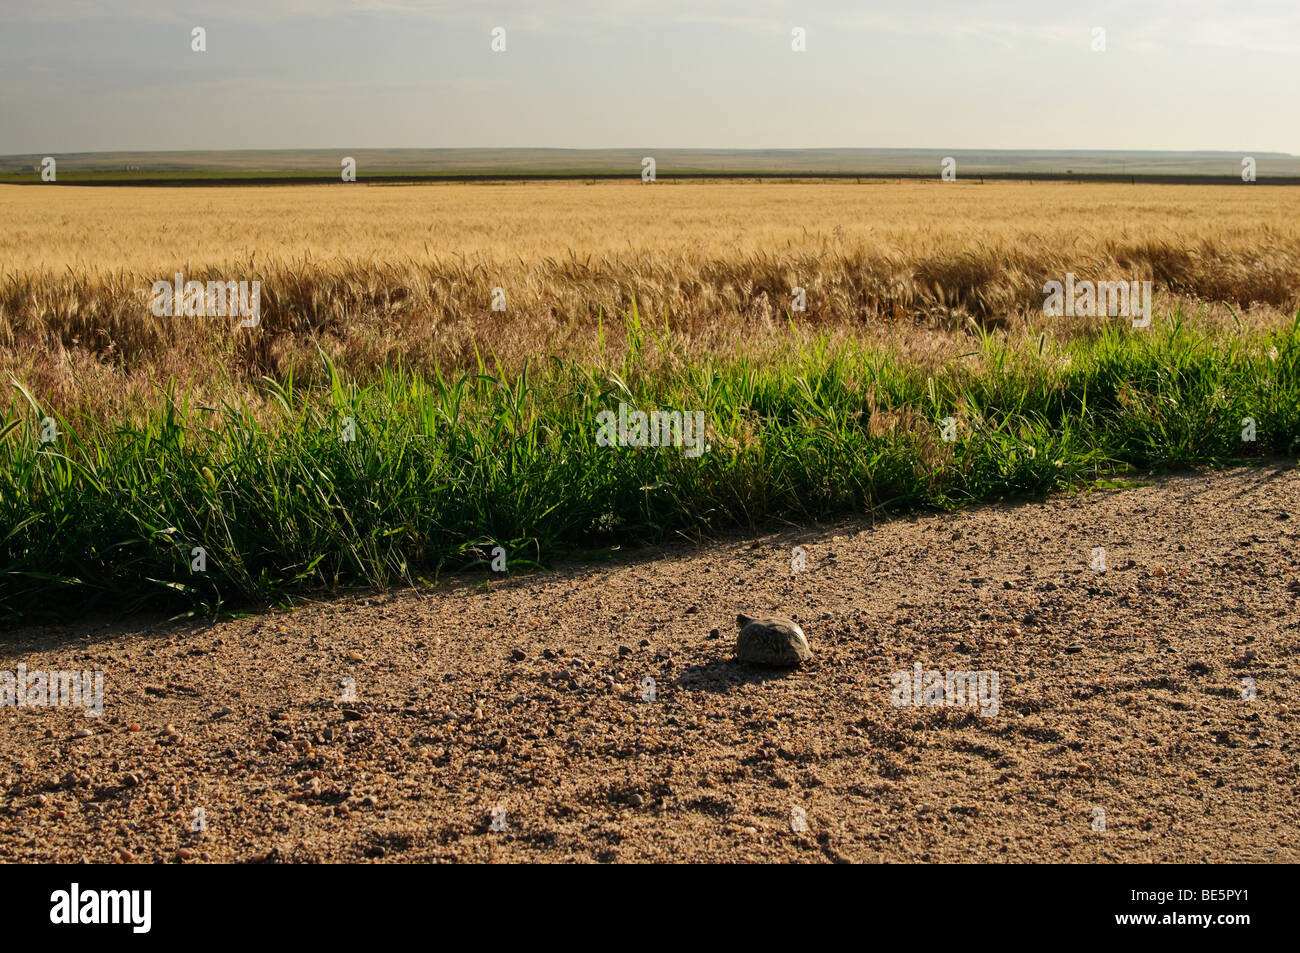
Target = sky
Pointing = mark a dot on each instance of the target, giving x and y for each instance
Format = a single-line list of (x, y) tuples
[(103, 75)]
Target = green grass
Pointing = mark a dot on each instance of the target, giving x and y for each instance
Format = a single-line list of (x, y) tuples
[(443, 469)]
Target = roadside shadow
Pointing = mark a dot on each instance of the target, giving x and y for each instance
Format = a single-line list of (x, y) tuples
[(720, 676), (727, 548)]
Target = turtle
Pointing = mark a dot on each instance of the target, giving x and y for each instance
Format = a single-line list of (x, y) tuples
[(773, 641)]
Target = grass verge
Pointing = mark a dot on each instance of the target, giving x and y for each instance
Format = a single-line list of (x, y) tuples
[(444, 469)]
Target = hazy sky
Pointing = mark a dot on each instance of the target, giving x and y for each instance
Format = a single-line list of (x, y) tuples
[(90, 75)]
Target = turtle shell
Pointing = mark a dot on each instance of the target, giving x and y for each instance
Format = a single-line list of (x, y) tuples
[(772, 641)]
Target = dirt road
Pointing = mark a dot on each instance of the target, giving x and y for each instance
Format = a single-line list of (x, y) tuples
[(516, 722)]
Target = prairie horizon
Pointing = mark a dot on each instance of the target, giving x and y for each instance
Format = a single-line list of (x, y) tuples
[(378, 164)]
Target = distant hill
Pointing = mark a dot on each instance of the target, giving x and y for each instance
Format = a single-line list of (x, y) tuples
[(324, 164)]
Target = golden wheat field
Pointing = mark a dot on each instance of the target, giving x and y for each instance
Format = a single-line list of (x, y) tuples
[(381, 274)]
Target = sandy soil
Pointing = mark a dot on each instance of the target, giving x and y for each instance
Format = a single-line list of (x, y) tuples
[(1119, 691)]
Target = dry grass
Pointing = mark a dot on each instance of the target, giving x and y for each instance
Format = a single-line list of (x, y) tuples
[(379, 274)]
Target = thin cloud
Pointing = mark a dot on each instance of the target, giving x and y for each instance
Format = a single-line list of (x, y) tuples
[(1251, 36)]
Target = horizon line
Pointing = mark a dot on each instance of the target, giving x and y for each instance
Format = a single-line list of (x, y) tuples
[(633, 148)]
